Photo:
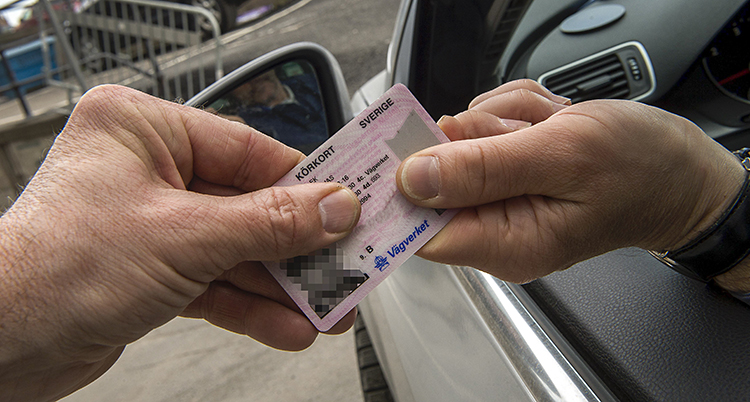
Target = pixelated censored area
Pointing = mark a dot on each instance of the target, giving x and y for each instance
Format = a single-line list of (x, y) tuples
[(325, 277)]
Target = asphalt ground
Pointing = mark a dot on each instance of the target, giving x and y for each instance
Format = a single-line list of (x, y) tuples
[(357, 32)]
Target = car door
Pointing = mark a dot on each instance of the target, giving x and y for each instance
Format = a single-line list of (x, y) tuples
[(618, 326)]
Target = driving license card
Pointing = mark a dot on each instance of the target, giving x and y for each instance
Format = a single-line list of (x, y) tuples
[(364, 156)]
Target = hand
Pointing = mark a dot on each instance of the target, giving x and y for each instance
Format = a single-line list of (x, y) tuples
[(581, 181), (144, 210)]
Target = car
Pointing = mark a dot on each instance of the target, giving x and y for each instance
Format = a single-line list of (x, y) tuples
[(225, 11), (620, 326)]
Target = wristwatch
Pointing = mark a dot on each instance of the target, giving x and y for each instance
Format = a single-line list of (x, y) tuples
[(723, 245)]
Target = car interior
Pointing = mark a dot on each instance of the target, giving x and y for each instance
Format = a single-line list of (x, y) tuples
[(644, 330)]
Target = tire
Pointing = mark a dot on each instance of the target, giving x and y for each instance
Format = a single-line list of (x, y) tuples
[(374, 386)]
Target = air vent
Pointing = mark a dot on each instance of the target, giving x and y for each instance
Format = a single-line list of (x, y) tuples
[(622, 72), (597, 79)]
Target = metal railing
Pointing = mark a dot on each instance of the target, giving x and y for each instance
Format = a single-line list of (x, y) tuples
[(129, 41), (169, 50), (154, 46)]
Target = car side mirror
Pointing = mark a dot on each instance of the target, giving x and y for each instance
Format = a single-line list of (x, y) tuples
[(296, 94)]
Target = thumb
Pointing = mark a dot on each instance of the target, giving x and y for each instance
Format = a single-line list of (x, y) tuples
[(479, 171), (208, 234)]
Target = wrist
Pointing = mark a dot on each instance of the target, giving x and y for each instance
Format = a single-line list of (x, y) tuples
[(719, 195), (14, 309), (720, 242), (18, 353), (41, 355)]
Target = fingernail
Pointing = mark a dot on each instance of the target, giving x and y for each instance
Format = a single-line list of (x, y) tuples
[(444, 120), (514, 124), (560, 99), (559, 106), (420, 177), (339, 211)]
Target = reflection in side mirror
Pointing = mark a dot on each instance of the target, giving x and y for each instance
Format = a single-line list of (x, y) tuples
[(283, 102), (296, 95)]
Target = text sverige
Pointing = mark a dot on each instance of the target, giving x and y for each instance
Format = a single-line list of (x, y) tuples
[(375, 113)]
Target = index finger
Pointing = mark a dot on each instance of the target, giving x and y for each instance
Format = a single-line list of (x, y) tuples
[(525, 84), (181, 142), (234, 154), (224, 152)]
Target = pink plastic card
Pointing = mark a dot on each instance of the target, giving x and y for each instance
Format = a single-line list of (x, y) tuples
[(364, 156)]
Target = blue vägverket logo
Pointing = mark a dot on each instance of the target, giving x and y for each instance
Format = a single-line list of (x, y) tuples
[(381, 263)]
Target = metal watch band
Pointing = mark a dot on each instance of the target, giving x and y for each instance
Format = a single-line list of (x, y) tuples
[(724, 244)]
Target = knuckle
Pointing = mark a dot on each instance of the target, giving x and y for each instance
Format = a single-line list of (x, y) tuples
[(487, 164), (474, 119), (471, 122), (478, 174), (284, 219), (530, 84), (529, 97), (469, 173), (100, 108), (98, 92), (100, 95), (535, 107)]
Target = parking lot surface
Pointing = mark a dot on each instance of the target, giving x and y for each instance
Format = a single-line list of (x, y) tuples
[(191, 360)]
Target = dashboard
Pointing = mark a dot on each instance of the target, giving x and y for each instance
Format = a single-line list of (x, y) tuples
[(641, 328), (727, 59), (689, 57)]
